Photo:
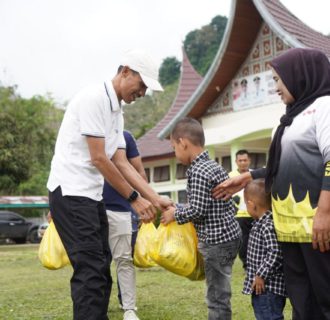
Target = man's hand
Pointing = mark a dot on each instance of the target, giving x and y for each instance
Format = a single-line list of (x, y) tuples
[(231, 186), (163, 203), (167, 216), (144, 209), (258, 285)]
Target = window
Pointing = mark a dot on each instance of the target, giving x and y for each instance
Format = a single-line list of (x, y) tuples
[(181, 171), (182, 196), (258, 160), (161, 173), (167, 194), (226, 163), (147, 171)]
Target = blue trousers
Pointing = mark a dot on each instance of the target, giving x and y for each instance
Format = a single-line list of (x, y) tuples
[(268, 306)]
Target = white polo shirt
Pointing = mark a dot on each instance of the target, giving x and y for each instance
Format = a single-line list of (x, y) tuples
[(95, 111)]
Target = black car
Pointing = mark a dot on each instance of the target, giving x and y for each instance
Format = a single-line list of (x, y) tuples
[(15, 227)]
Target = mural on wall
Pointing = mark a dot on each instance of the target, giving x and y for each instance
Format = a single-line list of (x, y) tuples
[(267, 46), (254, 90)]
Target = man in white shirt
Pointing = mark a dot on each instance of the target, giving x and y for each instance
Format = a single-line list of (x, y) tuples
[(90, 133)]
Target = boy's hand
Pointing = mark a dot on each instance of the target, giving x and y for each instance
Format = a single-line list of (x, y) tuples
[(258, 285), (167, 216)]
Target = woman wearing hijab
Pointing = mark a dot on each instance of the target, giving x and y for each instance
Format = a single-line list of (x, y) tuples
[(298, 177)]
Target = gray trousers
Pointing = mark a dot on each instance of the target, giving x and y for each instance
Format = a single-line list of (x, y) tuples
[(120, 242), (218, 261)]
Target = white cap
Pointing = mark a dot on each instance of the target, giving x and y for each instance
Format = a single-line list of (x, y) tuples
[(141, 62)]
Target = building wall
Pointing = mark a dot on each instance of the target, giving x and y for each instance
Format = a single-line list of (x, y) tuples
[(267, 46)]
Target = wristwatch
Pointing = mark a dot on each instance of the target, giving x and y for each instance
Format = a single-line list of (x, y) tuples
[(133, 196)]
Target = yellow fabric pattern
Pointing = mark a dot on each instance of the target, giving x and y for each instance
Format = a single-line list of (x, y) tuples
[(293, 221), (52, 253), (241, 212)]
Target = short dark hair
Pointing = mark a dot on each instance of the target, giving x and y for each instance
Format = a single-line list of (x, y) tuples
[(241, 152), (190, 129), (121, 68), (256, 190)]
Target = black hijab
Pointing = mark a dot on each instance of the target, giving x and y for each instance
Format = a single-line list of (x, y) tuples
[(306, 74)]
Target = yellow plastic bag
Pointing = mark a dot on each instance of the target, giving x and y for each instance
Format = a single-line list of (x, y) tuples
[(51, 250), (199, 271), (175, 248), (145, 236)]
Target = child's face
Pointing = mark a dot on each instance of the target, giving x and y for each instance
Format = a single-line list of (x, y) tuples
[(180, 150)]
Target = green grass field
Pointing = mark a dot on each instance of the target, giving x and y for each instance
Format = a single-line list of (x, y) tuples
[(29, 291)]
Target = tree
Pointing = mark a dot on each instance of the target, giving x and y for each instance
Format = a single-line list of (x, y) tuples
[(145, 113), (202, 44), (28, 132), (169, 71)]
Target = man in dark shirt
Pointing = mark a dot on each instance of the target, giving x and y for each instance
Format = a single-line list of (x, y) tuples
[(122, 232)]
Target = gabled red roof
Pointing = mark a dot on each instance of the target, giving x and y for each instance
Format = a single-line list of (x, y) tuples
[(150, 146), (295, 27), (243, 25)]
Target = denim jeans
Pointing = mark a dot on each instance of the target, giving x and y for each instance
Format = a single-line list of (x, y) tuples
[(218, 260), (268, 306)]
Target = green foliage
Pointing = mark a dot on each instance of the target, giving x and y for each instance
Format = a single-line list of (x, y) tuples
[(145, 113), (169, 71), (202, 45), (28, 128)]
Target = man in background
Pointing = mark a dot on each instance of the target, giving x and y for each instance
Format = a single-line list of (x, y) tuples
[(243, 162), (120, 217)]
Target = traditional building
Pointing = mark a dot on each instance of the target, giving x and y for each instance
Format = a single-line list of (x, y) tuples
[(236, 101)]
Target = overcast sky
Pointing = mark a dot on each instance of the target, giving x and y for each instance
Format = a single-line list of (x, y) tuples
[(59, 46)]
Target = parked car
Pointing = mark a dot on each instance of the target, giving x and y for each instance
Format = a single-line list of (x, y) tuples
[(41, 230), (15, 227)]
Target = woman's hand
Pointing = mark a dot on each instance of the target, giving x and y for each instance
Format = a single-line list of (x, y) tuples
[(321, 223), (231, 186)]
